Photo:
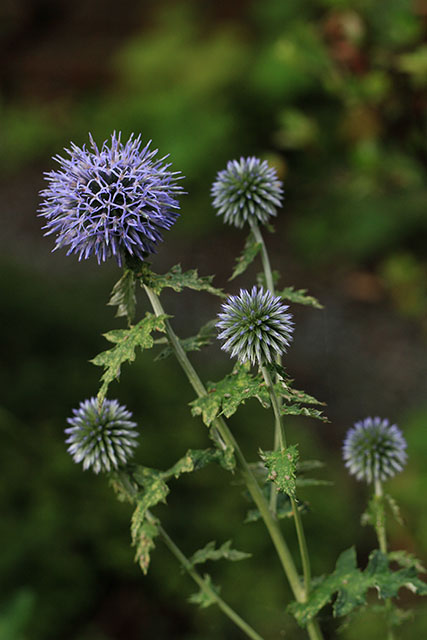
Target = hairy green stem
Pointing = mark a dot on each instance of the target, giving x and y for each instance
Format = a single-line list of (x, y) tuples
[(248, 477), (264, 256)]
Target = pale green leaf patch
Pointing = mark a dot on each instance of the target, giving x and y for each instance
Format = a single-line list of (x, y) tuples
[(123, 296), (126, 341), (351, 585), (249, 253), (177, 279), (299, 296), (225, 396), (203, 598), (224, 552), (282, 466)]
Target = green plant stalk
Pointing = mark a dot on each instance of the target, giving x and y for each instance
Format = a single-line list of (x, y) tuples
[(132, 492), (296, 513), (248, 477), (205, 586), (270, 286), (380, 530)]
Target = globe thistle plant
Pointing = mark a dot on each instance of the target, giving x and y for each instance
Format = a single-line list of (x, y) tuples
[(247, 190), (255, 326), (102, 437), (110, 201), (374, 450)]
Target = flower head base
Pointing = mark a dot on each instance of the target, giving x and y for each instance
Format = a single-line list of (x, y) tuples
[(255, 326), (102, 438), (374, 450), (115, 200), (247, 190)]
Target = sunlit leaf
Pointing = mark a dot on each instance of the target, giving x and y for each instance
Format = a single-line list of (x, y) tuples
[(178, 280), (282, 465), (126, 341), (123, 296)]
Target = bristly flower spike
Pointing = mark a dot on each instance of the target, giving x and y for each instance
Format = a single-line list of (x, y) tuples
[(111, 201), (255, 326), (247, 190), (374, 450), (102, 437)]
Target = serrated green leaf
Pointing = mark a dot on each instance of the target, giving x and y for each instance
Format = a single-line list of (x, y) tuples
[(299, 296), (406, 559), (226, 395), (282, 465), (126, 341), (202, 598), (224, 552), (250, 251), (351, 585), (195, 343), (194, 460), (283, 508), (394, 508), (142, 530), (177, 280), (298, 410), (123, 296)]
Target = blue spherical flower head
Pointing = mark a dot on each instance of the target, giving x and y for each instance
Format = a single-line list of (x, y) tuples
[(248, 190), (255, 326), (103, 438), (374, 450), (111, 201)]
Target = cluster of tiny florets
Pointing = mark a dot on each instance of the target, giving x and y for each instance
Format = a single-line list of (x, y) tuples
[(374, 450), (110, 201), (247, 190), (102, 437), (255, 326)]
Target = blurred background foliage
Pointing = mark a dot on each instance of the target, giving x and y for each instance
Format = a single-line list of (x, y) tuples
[(333, 93)]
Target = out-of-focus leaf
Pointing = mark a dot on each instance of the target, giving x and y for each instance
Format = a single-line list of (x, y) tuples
[(224, 552), (250, 251)]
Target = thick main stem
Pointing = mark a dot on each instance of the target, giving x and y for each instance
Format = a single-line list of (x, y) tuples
[(248, 477), (382, 540)]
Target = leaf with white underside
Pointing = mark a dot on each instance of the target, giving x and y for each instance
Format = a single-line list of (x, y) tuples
[(125, 343)]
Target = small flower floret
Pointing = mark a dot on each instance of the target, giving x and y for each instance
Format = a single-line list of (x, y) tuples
[(374, 450), (248, 190), (111, 201), (102, 437), (255, 326)]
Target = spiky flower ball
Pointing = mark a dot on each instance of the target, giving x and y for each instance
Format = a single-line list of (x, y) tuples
[(246, 190), (255, 326), (110, 201), (374, 450), (102, 438)]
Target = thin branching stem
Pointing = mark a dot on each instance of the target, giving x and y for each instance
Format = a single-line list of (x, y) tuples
[(252, 485)]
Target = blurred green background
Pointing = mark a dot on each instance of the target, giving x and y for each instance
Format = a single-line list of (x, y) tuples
[(333, 93)]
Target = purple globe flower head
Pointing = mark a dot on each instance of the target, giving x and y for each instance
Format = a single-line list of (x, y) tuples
[(111, 201), (374, 450), (248, 190), (255, 326), (102, 437)]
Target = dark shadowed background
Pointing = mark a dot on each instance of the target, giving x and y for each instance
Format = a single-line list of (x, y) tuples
[(333, 94)]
